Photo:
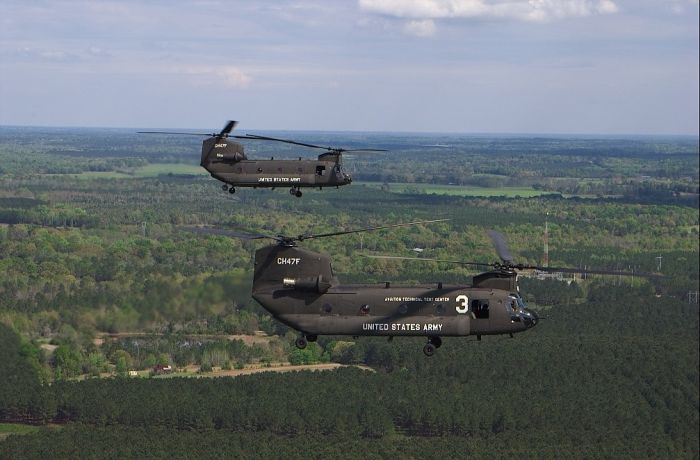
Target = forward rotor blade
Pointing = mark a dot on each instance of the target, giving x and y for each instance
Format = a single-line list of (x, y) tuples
[(478, 264), (589, 272), (367, 229), (304, 144), (286, 141), (364, 150), (499, 242)]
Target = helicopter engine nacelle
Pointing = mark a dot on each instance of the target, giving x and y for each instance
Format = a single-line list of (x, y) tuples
[(317, 284), (222, 150)]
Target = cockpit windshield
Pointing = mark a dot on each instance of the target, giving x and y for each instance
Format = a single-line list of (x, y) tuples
[(516, 302)]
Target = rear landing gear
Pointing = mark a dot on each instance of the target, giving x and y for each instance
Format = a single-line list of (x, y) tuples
[(232, 190), (433, 344), (225, 188), (302, 342), (295, 191)]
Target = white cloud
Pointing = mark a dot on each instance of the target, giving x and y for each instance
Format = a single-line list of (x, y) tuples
[(519, 10), (228, 76), (420, 28)]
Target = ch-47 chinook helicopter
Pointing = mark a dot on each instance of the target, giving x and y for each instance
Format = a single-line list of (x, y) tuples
[(298, 287), (226, 161)]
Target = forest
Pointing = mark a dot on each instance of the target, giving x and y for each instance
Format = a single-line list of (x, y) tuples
[(99, 278)]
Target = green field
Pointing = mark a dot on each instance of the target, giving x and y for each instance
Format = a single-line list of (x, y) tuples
[(457, 190), (150, 170), (156, 169), (7, 429)]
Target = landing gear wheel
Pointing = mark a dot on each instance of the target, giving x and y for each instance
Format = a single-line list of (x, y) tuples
[(311, 338), (298, 194), (224, 188), (437, 341), (429, 349), (300, 343), (232, 190)]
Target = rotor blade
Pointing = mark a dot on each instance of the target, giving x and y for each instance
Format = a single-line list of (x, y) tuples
[(303, 144), (225, 232), (367, 229), (364, 150), (266, 138), (589, 272), (228, 128), (179, 134), (499, 242), (478, 264)]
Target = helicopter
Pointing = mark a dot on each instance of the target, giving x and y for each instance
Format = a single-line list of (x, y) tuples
[(299, 288), (227, 162)]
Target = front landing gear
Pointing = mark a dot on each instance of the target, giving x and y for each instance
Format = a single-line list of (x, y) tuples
[(302, 342), (225, 188), (295, 191), (433, 344)]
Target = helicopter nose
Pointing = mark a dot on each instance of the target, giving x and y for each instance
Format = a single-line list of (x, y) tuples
[(530, 318)]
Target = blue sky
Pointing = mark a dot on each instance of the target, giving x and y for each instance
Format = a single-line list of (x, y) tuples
[(486, 66)]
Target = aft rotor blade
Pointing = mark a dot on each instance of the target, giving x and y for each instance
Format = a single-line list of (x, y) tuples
[(499, 242), (367, 229), (458, 262), (224, 132), (228, 128), (179, 134), (225, 232)]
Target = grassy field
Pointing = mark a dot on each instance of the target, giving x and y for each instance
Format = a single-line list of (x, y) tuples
[(150, 170), (7, 429), (457, 190)]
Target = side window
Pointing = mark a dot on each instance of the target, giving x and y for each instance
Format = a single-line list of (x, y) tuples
[(480, 308), (320, 170)]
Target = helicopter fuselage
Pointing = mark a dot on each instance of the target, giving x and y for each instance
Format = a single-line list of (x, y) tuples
[(385, 310), (298, 287), (280, 173)]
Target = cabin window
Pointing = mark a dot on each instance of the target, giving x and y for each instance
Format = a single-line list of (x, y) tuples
[(300, 170), (480, 308), (439, 310), (364, 310), (259, 170), (320, 170), (403, 308), (327, 307)]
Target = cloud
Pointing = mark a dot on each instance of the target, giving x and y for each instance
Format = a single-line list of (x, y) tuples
[(420, 28), (518, 10), (228, 76)]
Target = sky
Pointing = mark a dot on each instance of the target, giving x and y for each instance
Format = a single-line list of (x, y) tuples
[(465, 66)]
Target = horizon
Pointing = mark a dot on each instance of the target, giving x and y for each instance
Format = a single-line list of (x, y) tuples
[(552, 135)]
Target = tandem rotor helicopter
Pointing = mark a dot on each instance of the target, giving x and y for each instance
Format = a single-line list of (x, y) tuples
[(226, 161), (299, 288)]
